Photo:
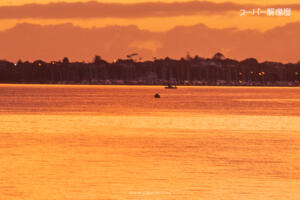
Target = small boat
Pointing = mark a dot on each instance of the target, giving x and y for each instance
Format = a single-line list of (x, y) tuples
[(171, 86), (156, 95)]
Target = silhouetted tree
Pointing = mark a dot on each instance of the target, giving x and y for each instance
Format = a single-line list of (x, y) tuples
[(97, 60), (218, 56), (66, 60)]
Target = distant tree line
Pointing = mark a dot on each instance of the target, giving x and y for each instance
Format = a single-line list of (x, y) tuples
[(217, 70)]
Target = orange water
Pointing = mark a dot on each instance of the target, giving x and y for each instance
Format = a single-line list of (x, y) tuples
[(118, 142)]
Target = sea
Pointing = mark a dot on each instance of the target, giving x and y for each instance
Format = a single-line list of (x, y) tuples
[(92, 142)]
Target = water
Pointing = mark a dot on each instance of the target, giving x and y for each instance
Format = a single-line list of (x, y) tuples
[(119, 142)]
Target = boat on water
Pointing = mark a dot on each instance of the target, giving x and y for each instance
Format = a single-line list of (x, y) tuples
[(171, 86), (156, 95)]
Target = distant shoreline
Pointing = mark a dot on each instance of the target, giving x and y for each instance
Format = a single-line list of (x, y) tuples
[(84, 84), (196, 71)]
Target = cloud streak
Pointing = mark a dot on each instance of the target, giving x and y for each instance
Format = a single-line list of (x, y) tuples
[(93, 9)]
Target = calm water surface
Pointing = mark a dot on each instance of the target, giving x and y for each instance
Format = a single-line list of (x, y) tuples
[(118, 142)]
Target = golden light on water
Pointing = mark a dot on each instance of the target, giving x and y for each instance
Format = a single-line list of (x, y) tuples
[(118, 142)]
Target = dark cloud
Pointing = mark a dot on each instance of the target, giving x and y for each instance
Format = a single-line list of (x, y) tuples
[(117, 10)]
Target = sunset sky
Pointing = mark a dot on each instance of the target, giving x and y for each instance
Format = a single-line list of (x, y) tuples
[(80, 29)]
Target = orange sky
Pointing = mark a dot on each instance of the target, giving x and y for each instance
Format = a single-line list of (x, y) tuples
[(161, 16), (20, 2), (229, 19)]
